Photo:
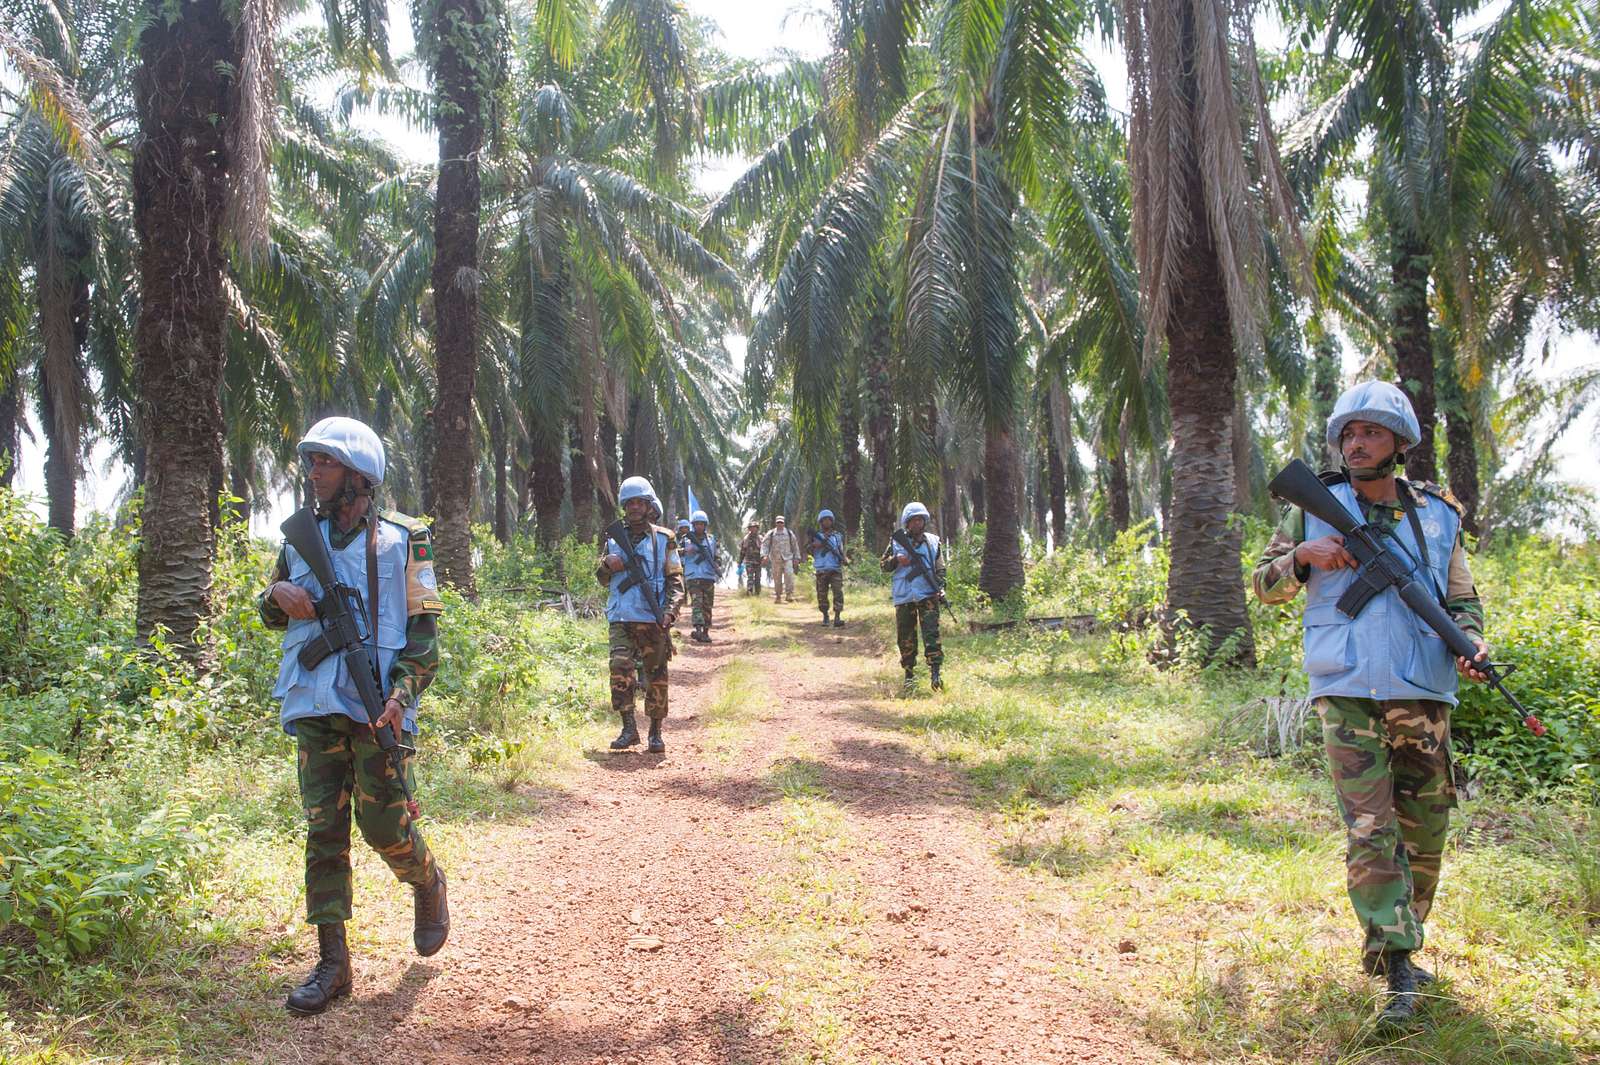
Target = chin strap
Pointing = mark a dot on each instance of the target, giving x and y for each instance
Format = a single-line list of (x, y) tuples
[(1374, 473)]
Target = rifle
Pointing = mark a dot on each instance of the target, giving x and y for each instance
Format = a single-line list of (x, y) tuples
[(703, 551), (1382, 568), (827, 545), (344, 632), (920, 568), (617, 533)]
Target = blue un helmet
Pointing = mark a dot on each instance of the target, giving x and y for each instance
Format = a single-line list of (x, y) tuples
[(683, 523), (1383, 404), (639, 488), (824, 513), (350, 443), (699, 516), (914, 509)]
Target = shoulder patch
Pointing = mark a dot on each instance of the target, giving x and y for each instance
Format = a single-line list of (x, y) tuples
[(421, 550), (1440, 493), (406, 522)]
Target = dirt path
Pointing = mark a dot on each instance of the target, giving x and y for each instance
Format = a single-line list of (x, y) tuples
[(699, 852)]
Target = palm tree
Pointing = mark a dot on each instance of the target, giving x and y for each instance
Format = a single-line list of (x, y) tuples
[(1200, 259)]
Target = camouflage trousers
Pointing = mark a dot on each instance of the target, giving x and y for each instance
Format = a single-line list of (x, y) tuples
[(752, 575), (639, 646), (1390, 764), (340, 768), (702, 596), (830, 579), (907, 618)]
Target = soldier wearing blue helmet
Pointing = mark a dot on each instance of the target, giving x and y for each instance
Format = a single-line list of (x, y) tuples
[(1383, 682), (389, 557), (701, 571), (916, 597), (828, 558), (638, 641)]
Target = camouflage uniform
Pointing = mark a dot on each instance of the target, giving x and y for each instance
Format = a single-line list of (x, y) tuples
[(909, 617), (830, 580), (643, 647), (1389, 759), (340, 767), (750, 557), (702, 597)]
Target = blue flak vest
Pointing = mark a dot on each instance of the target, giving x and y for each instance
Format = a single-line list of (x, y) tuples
[(700, 565), (1387, 651), (912, 589), (328, 689), (630, 605), (823, 561)]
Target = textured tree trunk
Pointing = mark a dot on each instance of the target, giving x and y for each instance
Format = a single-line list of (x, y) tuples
[(60, 462), (949, 506), (546, 486), (1117, 487), (458, 104), (850, 454), (1413, 344), (1243, 445), (497, 444), (880, 425), (1460, 435), (1041, 490), (605, 490), (10, 424), (241, 475), (1001, 573), (182, 93), (976, 492), (1056, 473), (581, 487), (1205, 582)]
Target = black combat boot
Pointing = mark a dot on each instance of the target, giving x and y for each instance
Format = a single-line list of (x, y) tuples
[(838, 621), (933, 679), (1374, 965), (909, 685), (824, 619), (431, 926), (330, 979), (1402, 994), (629, 735), (656, 745)]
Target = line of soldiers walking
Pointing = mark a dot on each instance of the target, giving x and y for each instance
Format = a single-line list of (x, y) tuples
[(1383, 683)]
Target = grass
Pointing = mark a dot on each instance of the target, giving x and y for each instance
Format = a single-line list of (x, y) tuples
[(804, 933), (1209, 881)]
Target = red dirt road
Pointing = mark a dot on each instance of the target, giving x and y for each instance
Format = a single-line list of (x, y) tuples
[(947, 961)]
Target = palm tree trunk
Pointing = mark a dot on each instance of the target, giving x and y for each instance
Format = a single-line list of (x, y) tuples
[(460, 100), (241, 474), (1413, 344), (880, 426), (1117, 487), (497, 444), (610, 480), (850, 453), (1056, 472), (183, 96), (1001, 573), (949, 506), (546, 486), (1206, 581), (60, 460), (1461, 437), (581, 490), (10, 423), (1041, 489), (977, 494)]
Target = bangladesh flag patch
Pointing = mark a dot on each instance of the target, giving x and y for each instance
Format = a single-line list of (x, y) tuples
[(422, 552)]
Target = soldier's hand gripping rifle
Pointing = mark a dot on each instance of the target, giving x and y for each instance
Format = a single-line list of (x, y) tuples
[(344, 633), (827, 545), (702, 549), (1383, 568), (919, 568), (634, 565)]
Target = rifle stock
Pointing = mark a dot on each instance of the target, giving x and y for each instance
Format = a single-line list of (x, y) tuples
[(1299, 485)]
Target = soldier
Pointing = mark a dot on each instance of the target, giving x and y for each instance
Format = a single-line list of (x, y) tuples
[(750, 557), (827, 562), (635, 633), (700, 572), (916, 598), (781, 551), (341, 768), (682, 536), (1383, 682)]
